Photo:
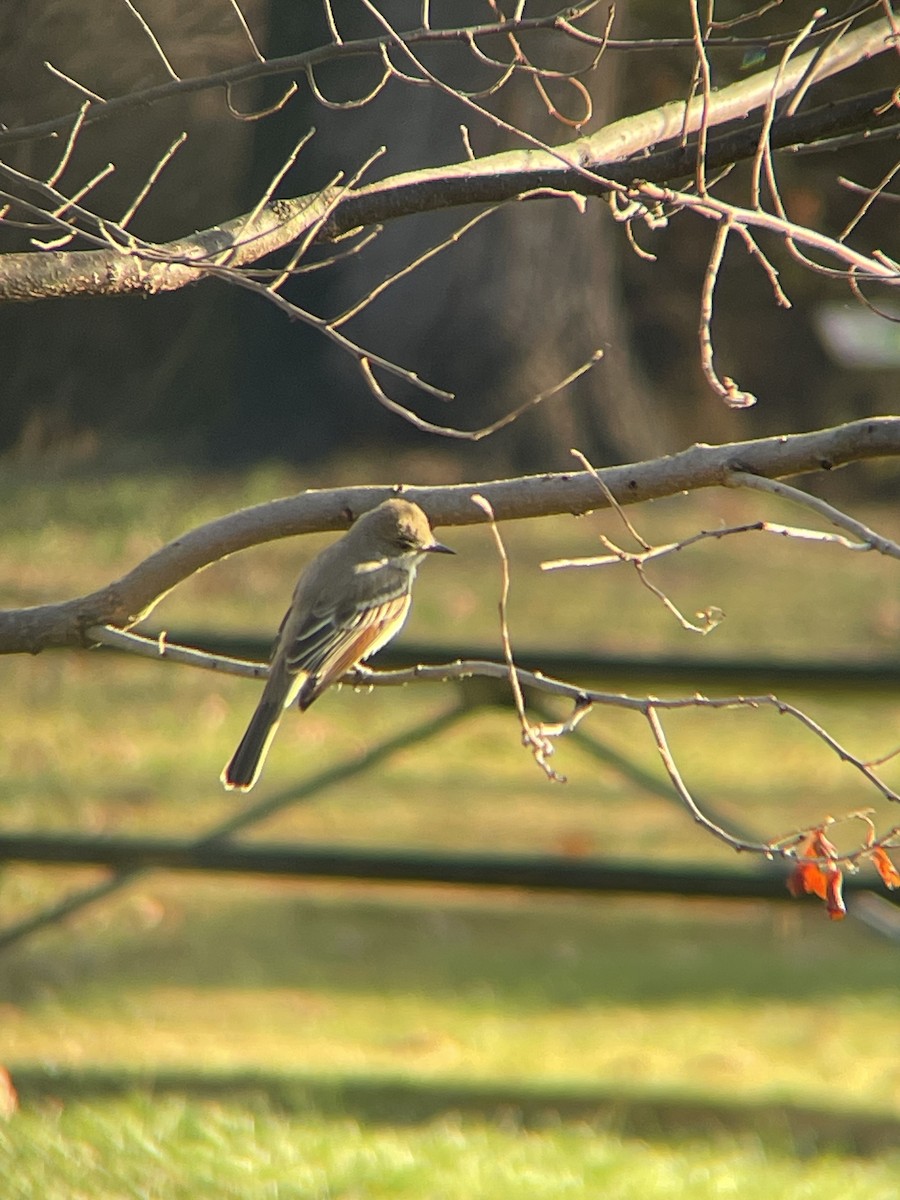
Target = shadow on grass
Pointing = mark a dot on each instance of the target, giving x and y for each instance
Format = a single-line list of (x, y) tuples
[(375, 1101), (526, 952)]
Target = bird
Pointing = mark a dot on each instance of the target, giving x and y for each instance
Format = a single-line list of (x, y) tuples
[(348, 603)]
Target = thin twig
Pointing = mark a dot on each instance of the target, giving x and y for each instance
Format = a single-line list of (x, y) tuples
[(332, 24), (583, 699), (809, 75), (336, 191), (379, 289), (470, 435), (66, 155), (79, 87), (341, 105), (668, 761), (72, 205), (861, 189), (775, 487), (873, 194), (364, 239), (259, 113), (242, 21), (610, 498), (541, 747), (663, 551), (702, 68), (270, 189), (867, 303), (712, 615), (764, 149), (867, 266), (744, 17), (160, 648), (770, 270), (154, 175), (724, 387), (154, 40), (296, 64)]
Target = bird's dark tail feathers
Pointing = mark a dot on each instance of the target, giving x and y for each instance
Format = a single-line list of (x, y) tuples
[(247, 761)]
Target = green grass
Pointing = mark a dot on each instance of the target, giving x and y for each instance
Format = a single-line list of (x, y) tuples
[(164, 1146), (191, 1041), (211, 1036)]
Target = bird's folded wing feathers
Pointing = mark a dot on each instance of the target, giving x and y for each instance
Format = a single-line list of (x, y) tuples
[(329, 645)]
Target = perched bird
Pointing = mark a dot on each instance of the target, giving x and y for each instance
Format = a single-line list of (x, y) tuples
[(348, 603)]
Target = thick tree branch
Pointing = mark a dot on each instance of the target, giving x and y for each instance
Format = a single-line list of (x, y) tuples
[(589, 165), (510, 174), (126, 601)]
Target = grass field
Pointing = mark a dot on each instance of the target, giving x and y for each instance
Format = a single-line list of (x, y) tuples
[(205, 1036)]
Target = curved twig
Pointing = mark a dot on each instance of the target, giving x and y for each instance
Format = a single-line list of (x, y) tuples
[(536, 737)]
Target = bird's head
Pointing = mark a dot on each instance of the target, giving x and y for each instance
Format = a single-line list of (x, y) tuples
[(396, 529)]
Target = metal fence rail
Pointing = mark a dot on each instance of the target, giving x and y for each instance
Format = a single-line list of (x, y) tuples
[(128, 858), (534, 872)]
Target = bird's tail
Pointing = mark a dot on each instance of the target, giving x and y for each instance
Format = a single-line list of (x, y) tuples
[(247, 761)]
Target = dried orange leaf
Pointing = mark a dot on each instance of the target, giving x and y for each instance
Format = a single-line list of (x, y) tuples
[(825, 882), (837, 910), (808, 877), (890, 876)]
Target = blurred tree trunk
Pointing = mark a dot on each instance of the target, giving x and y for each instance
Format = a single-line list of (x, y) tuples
[(120, 371)]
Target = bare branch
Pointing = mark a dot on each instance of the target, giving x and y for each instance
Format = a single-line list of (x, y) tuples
[(683, 791), (449, 431), (655, 552), (541, 747), (379, 289), (332, 24), (357, 102), (712, 616), (809, 77), (488, 180), (79, 87), (873, 194), (538, 737), (59, 214), (160, 648), (771, 273), (874, 266), (126, 601), (764, 151), (154, 40), (610, 498), (151, 180), (702, 70), (66, 155), (745, 17), (868, 538), (725, 387), (260, 113), (294, 64), (245, 28)]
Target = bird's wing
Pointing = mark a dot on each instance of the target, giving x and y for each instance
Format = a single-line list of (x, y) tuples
[(329, 643)]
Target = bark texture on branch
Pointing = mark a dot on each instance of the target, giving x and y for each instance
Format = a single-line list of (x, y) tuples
[(125, 601), (621, 152)]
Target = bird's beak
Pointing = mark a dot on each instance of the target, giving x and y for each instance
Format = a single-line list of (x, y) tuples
[(438, 548)]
